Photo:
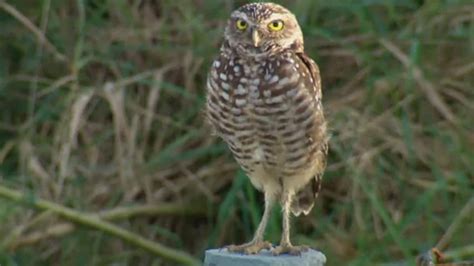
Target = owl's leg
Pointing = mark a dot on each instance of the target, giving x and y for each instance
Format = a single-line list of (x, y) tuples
[(285, 246), (257, 243)]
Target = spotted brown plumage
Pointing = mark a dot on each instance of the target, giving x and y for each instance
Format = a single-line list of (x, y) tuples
[(264, 100)]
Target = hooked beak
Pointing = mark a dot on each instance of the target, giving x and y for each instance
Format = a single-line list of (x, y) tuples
[(255, 38)]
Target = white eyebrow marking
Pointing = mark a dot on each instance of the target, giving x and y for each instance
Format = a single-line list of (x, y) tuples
[(276, 16), (241, 15)]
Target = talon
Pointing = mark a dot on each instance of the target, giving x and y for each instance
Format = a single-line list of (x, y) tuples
[(252, 247), (289, 249)]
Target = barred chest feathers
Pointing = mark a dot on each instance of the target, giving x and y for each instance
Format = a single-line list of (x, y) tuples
[(270, 114)]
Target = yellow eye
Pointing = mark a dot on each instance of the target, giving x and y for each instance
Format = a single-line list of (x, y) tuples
[(241, 25), (276, 25)]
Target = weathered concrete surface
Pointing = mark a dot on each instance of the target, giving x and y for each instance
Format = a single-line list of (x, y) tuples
[(221, 257)]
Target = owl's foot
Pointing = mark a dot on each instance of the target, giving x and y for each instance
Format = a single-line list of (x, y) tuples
[(289, 249), (252, 247)]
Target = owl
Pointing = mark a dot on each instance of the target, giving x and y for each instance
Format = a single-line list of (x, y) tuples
[(264, 100)]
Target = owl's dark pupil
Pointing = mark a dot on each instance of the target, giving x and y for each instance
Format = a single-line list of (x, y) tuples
[(275, 24)]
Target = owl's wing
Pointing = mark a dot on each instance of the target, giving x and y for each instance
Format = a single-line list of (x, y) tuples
[(304, 199), (313, 70)]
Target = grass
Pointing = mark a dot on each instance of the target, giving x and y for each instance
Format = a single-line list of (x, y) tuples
[(102, 110)]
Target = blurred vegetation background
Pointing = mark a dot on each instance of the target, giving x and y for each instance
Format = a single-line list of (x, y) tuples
[(101, 113)]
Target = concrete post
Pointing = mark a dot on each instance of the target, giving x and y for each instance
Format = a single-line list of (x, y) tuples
[(221, 257)]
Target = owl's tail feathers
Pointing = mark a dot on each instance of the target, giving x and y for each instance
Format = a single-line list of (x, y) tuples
[(304, 200)]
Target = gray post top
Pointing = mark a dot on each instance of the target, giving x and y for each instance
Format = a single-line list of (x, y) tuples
[(221, 257)]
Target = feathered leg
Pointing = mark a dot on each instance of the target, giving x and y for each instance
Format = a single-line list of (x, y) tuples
[(285, 244), (257, 243)]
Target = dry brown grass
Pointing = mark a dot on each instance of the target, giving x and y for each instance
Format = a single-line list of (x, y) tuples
[(102, 110)]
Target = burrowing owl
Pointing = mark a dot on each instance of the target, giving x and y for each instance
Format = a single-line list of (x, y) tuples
[(264, 100)]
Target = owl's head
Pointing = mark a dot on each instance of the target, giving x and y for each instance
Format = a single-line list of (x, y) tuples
[(263, 28)]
